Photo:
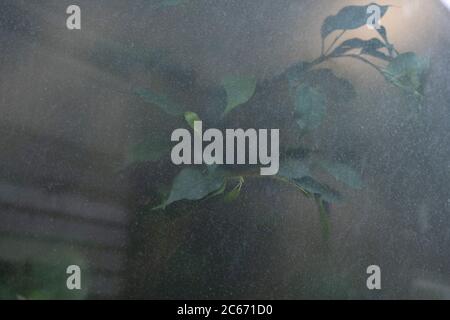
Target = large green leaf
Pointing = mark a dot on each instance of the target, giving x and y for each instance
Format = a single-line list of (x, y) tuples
[(310, 107), (338, 90), (368, 47), (296, 72), (408, 72), (349, 18), (343, 173), (160, 101), (316, 188), (239, 90), (193, 184)]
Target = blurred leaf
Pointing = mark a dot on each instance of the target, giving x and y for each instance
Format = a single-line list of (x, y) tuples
[(348, 18), (383, 33), (294, 168), (297, 71), (372, 47), (191, 117), (343, 173), (369, 47), (310, 107), (357, 43), (312, 186), (122, 58), (376, 54), (220, 191), (193, 184), (408, 71), (39, 280), (337, 90), (151, 149), (234, 194), (239, 90), (160, 101)]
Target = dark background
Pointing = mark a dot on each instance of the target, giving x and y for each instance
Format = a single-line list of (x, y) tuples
[(67, 121)]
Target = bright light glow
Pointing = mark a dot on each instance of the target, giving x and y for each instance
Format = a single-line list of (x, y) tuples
[(446, 3)]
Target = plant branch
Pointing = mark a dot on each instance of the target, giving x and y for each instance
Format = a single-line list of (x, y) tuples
[(251, 174), (322, 48), (358, 57), (334, 42)]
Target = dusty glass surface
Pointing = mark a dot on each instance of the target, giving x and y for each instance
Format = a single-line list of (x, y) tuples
[(361, 198)]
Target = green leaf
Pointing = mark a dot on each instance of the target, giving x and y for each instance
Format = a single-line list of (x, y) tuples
[(343, 173), (348, 18), (369, 47), (190, 118), (310, 107), (234, 194), (160, 101), (219, 192), (151, 149), (239, 90), (372, 47), (337, 90), (193, 184), (312, 186), (294, 168), (383, 33), (297, 71), (408, 71), (376, 54)]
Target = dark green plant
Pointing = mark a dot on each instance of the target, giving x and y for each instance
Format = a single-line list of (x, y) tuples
[(39, 280), (310, 90)]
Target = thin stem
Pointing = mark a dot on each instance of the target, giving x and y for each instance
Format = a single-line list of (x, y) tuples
[(358, 57), (249, 174), (324, 58), (334, 42), (323, 47)]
